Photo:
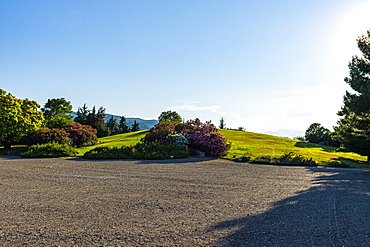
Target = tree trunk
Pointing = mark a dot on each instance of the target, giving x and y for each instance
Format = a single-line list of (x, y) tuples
[(7, 145)]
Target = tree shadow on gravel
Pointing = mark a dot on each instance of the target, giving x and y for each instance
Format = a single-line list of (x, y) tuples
[(333, 212)]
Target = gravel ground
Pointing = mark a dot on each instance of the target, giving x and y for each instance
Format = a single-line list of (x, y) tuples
[(187, 202)]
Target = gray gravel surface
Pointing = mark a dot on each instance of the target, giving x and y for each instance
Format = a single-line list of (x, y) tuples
[(188, 202)]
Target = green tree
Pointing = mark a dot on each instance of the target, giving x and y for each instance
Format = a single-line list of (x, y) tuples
[(57, 113), (122, 125), (18, 118), (222, 123), (112, 125), (95, 119), (353, 130), (317, 134), (82, 114), (170, 116), (135, 126)]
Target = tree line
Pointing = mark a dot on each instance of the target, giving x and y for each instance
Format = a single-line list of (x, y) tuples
[(19, 118)]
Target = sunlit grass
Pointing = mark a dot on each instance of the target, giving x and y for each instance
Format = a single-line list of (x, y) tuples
[(255, 145), (126, 139), (248, 144)]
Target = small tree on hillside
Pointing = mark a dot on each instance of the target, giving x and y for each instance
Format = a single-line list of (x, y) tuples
[(112, 125), (122, 125), (135, 126), (317, 134), (170, 116), (222, 123)]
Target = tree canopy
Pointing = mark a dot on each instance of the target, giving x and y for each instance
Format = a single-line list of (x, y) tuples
[(17, 117), (317, 133), (170, 116), (353, 130), (135, 126), (57, 113), (94, 118)]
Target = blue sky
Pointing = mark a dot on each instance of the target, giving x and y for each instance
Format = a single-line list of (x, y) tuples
[(263, 65)]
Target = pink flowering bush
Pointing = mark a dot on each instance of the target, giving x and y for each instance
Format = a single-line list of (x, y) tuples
[(212, 143)]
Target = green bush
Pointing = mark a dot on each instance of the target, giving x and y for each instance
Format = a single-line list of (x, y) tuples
[(288, 158), (151, 151), (49, 150), (336, 164)]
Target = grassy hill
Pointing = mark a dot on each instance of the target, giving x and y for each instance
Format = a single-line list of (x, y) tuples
[(253, 145)]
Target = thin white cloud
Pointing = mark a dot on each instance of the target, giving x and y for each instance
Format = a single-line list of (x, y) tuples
[(191, 106)]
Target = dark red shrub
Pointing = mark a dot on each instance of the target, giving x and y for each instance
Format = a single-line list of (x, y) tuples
[(81, 135), (47, 135)]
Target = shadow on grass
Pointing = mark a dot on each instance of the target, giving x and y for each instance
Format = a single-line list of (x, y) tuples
[(333, 212), (314, 145)]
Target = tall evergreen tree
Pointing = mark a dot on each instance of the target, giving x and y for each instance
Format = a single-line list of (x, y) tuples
[(222, 123), (93, 118), (135, 126), (122, 125), (353, 130), (82, 114), (112, 125)]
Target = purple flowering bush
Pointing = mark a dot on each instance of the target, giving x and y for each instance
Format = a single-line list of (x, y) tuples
[(211, 143), (198, 135)]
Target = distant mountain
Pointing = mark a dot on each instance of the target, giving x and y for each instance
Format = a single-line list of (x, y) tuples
[(143, 124), (286, 133)]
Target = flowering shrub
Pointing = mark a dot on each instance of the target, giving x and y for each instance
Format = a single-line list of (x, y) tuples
[(47, 135), (81, 135), (175, 139), (212, 143), (201, 136), (160, 132)]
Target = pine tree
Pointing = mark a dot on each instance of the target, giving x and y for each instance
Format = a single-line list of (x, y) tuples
[(93, 118), (135, 126), (122, 125), (112, 125), (82, 114), (353, 130), (222, 123)]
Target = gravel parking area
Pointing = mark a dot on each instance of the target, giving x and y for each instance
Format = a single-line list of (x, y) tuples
[(187, 202)]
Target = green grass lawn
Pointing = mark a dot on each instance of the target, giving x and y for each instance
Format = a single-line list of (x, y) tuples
[(126, 139), (255, 145)]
